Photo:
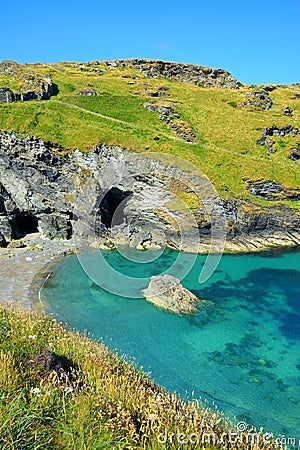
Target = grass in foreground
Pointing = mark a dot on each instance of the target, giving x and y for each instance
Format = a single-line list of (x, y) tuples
[(91, 399)]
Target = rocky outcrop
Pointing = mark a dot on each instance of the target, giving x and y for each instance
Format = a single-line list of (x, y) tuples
[(295, 153), (166, 292), (33, 185), (199, 75), (31, 85), (251, 227), (172, 121), (269, 190), (7, 95), (257, 100), (275, 131), (125, 198), (267, 87), (288, 130)]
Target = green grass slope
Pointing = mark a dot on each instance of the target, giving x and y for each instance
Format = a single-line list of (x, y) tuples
[(94, 400), (225, 147)]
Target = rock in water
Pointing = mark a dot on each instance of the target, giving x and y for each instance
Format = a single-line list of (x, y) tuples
[(168, 293)]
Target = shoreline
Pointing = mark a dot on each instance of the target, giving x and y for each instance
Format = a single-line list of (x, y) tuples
[(24, 270)]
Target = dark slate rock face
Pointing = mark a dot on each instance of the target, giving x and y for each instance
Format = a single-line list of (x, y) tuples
[(121, 192), (269, 190), (31, 192)]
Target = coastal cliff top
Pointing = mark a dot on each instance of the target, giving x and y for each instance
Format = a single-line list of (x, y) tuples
[(236, 134)]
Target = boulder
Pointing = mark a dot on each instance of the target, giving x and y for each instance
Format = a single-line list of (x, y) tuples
[(166, 292), (268, 87), (55, 226)]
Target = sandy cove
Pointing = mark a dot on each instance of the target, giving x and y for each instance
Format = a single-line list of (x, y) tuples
[(21, 268)]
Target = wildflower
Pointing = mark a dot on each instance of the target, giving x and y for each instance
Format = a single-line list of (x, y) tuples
[(35, 391), (32, 336), (152, 416), (68, 390)]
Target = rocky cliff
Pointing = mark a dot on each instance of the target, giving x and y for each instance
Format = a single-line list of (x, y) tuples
[(33, 184), (120, 196)]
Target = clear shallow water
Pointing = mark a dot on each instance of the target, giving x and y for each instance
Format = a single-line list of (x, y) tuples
[(244, 355)]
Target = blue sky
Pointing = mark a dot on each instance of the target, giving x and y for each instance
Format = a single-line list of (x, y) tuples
[(257, 41)]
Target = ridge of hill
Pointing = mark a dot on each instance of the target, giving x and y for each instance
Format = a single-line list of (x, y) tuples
[(245, 139)]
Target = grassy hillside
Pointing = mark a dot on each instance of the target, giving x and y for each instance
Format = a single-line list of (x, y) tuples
[(225, 147), (88, 398)]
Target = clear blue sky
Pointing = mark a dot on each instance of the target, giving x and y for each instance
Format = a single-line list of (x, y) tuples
[(258, 41)]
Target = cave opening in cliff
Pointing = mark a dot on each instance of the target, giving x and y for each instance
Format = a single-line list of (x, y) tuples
[(112, 206), (23, 224)]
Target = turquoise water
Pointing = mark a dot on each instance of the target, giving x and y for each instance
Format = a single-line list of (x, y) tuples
[(243, 356)]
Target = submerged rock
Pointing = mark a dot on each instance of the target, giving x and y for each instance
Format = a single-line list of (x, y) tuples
[(166, 291)]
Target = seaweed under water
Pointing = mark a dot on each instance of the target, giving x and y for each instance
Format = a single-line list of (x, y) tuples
[(242, 354)]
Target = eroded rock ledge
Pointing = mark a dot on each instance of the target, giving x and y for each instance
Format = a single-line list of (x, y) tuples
[(269, 190), (119, 196)]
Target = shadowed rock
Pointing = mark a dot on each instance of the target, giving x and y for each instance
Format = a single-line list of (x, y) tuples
[(59, 367), (47, 360)]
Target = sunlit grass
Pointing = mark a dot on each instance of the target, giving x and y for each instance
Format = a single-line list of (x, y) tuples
[(107, 403), (227, 152)]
